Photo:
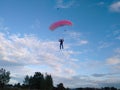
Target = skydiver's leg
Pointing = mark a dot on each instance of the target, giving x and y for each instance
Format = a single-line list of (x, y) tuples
[(60, 46)]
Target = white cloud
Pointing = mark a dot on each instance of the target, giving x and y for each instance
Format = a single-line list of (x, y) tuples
[(115, 7), (113, 60), (21, 51), (100, 3), (13, 81), (19, 54), (73, 34), (82, 42), (76, 38), (63, 4), (88, 81)]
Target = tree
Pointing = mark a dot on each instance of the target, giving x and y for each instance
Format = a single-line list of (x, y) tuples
[(38, 81), (60, 86), (26, 81), (17, 85), (4, 77), (113, 88), (48, 82), (31, 82)]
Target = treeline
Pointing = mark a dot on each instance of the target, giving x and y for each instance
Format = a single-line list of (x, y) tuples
[(38, 81)]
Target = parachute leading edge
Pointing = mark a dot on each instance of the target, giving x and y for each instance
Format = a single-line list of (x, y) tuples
[(60, 23)]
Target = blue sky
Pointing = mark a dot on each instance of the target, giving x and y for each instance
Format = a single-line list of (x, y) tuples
[(91, 54)]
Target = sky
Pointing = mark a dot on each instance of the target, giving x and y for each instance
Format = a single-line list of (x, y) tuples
[(91, 54)]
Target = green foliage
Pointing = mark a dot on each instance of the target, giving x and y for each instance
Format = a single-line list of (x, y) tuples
[(26, 80), (60, 86), (38, 81), (48, 82), (4, 77)]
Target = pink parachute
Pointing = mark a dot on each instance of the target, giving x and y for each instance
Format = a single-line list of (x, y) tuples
[(60, 23)]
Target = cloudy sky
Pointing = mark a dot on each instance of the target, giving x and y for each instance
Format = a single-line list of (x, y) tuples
[(91, 54)]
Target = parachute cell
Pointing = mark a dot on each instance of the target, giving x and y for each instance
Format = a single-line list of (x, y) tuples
[(60, 23)]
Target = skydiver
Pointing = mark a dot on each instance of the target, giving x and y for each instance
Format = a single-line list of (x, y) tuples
[(61, 43)]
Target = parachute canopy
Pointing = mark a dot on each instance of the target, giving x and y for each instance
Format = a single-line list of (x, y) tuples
[(60, 23)]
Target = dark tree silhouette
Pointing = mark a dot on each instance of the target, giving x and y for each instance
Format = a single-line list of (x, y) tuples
[(17, 85), (60, 86), (113, 88), (26, 81), (4, 77), (31, 83), (48, 82), (38, 81)]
